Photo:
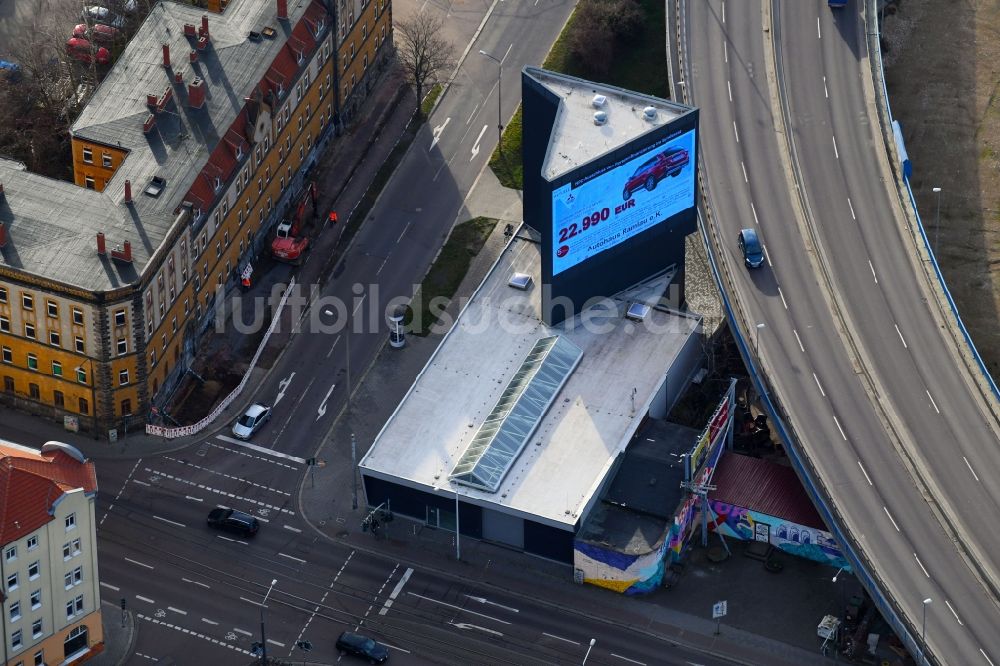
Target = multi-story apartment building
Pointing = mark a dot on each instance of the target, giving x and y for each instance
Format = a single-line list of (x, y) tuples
[(183, 159), (51, 603)]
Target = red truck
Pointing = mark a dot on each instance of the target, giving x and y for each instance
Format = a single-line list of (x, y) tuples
[(289, 245)]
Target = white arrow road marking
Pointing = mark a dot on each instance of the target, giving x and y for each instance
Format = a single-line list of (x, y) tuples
[(437, 132), (322, 407), (484, 600), (282, 385), (466, 625), (475, 148)]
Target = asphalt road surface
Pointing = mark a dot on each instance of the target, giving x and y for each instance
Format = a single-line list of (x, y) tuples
[(852, 341)]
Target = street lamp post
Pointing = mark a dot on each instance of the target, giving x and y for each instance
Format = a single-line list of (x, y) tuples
[(756, 338), (499, 106), (937, 218), (589, 648), (923, 634), (263, 637)]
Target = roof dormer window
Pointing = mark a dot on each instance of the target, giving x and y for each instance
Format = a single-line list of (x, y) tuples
[(217, 183)]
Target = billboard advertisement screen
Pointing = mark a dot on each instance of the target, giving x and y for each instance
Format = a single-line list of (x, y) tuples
[(622, 200)]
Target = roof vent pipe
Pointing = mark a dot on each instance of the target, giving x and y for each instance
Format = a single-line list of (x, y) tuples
[(600, 117), (649, 113), (101, 247), (128, 191), (282, 10), (166, 55)]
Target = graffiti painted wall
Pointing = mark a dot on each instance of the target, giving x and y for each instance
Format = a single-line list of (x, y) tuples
[(808, 542)]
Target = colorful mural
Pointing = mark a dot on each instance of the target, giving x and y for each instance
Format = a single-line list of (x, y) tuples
[(808, 542)]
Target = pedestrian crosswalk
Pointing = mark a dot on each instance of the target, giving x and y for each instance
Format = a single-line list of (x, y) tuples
[(261, 449)]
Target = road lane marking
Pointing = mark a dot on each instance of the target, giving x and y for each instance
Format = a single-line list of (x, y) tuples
[(985, 657), (471, 116), (120, 491), (934, 404), (867, 478), (799, 340), (232, 477), (225, 538), (194, 582), (819, 385), (394, 647), (360, 302), (176, 610), (921, 564), (767, 255), (333, 347), (970, 468), (171, 522), (873, 270), (255, 603), (178, 479), (484, 600), (819, 35), (395, 591), (466, 625), (241, 631), (783, 301), (202, 636), (291, 557), (403, 232), (464, 610), (851, 206), (837, 421), (321, 410), (110, 587), (890, 518), (753, 209), (261, 449), (737, 133), (141, 483), (633, 661), (274, 642), (475, 146), (292, 529), (730, 88), (825, 91), (211, 622), (146, 599), (141, 564), (836, 153), (194, 499), (900, 334), (560, 638), (381, 266), (957, 618), (250, 455), (724, 12)]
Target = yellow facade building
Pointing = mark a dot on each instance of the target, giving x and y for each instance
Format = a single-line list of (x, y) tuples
[(183, 160)]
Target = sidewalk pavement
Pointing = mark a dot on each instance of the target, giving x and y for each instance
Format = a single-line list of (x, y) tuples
[(119, 641), (326, 500)]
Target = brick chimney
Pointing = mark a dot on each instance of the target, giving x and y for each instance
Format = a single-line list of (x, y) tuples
[(3, 234), (128, 191), (204, 26), (101, 247), (166, 55), (1, 192), (196, 93), (124, 254), (282, 10), (150, 123), (193, 57)]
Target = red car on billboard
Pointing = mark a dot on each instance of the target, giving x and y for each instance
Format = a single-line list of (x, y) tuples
[(668, 163)]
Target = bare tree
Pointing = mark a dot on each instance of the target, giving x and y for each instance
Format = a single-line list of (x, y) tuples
[(424, 54)]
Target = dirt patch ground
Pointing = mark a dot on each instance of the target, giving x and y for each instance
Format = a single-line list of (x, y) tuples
[(943, 78)]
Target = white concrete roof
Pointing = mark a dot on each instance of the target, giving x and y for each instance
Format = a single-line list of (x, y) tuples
[(576, 139), (589, 423)]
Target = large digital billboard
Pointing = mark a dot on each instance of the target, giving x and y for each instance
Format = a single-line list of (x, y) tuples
[(608, 207)]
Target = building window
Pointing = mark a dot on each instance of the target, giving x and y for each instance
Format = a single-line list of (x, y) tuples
[(218, 248), (81, 375), (15, 611), (27, 302), (84, 407), (36, 628), (73, 578), (36, 599), (8, 384), (70, 522), (173, 324), (52, 308), (4, 324), (10, 554), (8, 355), (32, 362), (152, 357), (127, 407), (12, 582), (57, 368), (32, 543), (33, 570), (59, 399), (39, 659), (123, 376), (15, 640), (120, 316), (88, 155), (122, 346), (3, 294), (106, 160), (54, 339), (80, 346), (34, 392), (163, 338), (29, 330), (78, 317), (89, 182)]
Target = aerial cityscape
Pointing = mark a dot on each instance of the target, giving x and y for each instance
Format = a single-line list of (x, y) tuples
[(609, 332)]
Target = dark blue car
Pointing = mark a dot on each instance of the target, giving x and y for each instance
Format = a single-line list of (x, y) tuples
[(753, 251)]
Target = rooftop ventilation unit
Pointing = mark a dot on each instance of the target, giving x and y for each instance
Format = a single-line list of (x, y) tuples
[(599, 101), (600, 118), (155, 186), (649, 113), (520, 281), (637, 312)]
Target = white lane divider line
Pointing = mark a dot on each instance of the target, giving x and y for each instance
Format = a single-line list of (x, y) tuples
[(957, 618), (120, 491), (395, 591), (176, 610), (169, 522), (872, 266), (193, 499), (819, 35), (753, 209), (141, 483), (194, 582), (255, 603), (110, 586), (146, 599), (292, 529), (560, 638), (737, 133), (196, 634), (333, 346), (225, 538), (836, 153), (819, 385), (484, 600), (921, 565), (458, 608), (274, 642), (744, 167), (250, 455), (292, 557), (867, 478), (825, 91), (261, 449), (730, 88), (226, 476), (136, 562), (974, 475), (851, 206), (900, 334), (200, 486), (934, 404), (783, 301), (631, 661), (467, 625), (799, 340), (985, 657), (837, 421), (241, 631), (891, 519), (211, 622)]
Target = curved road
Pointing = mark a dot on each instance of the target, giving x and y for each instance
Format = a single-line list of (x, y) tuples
[(856, 349)]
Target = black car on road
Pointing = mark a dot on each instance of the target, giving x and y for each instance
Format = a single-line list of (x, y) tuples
[(362, 646), (230, 520)]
